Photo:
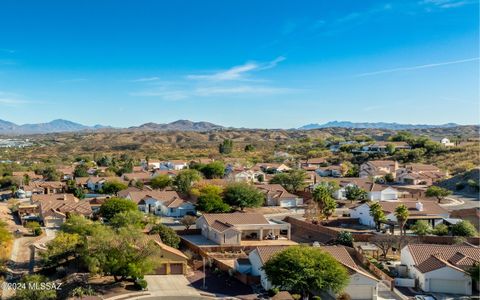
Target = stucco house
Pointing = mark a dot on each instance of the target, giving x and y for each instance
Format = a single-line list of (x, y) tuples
[(441, 268), (330, 171), (419, 174), (96, 183), (375, 191), (52, 209), (247, 176), (231, 229), (271, 167), (427, 210), (381, 147), (362, 285), (378, 168), (276, 195), (162, 203)]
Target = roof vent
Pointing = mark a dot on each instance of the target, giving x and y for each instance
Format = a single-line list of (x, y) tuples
[(419, 206)]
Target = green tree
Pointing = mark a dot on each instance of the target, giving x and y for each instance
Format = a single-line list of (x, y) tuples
[(113, 187), (34, 227), (464, 228), (437, 192), (50, 174), (161, 181), (184, 180), (127, 218), (167, 235), (389, 178), (5, 235), (322, 195), (212, 170), (243, 195), (188, 221), (212, 203), (376, 211), (440, 230), (345, 238), (81, 170), (226, 147), (292, 181), (390, 149), (113, 206), (122, 253), (354, 193), (402, 214), (61, 248), (34, 293), (303, 270), (422, 228), (249, 148)]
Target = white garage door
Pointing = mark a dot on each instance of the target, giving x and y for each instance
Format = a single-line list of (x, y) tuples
[(288, 203), (359, 292), (447, 286)]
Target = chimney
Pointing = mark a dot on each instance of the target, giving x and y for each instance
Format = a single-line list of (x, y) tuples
[(419, 206)]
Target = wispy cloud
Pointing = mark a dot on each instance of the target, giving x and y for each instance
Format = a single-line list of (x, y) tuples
[(418, 67), (11, 99), (146, 79), (9, 51), (237, 80), (446, 3), (238, 72)]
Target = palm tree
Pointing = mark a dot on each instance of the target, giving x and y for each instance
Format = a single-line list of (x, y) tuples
[(377, 214), (401, 213)]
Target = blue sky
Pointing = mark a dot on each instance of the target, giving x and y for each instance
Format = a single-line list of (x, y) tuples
[(264, 64)]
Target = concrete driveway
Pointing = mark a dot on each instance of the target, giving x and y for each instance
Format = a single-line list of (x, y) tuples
[(170, 285)]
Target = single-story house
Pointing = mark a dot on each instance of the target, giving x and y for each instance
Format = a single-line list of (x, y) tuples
[(96, 183), (276, 195), (330, 171), (362, 285), (428, 211), (375, 191), (419, 174), (163, 203), (247, 176), (378, 168), (381, 147), (271, 167), (52, 209), (231, 229), (441, 268)]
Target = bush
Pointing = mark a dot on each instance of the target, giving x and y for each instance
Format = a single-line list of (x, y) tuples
[(296, 296), (464, 228), (272, 292), (317, 298), (440, 230), (345, 238), (37, 231), (141, 284)]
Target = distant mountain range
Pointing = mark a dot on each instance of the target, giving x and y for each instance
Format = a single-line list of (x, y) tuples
[(180, 125), (378, 125), (60, 125)]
